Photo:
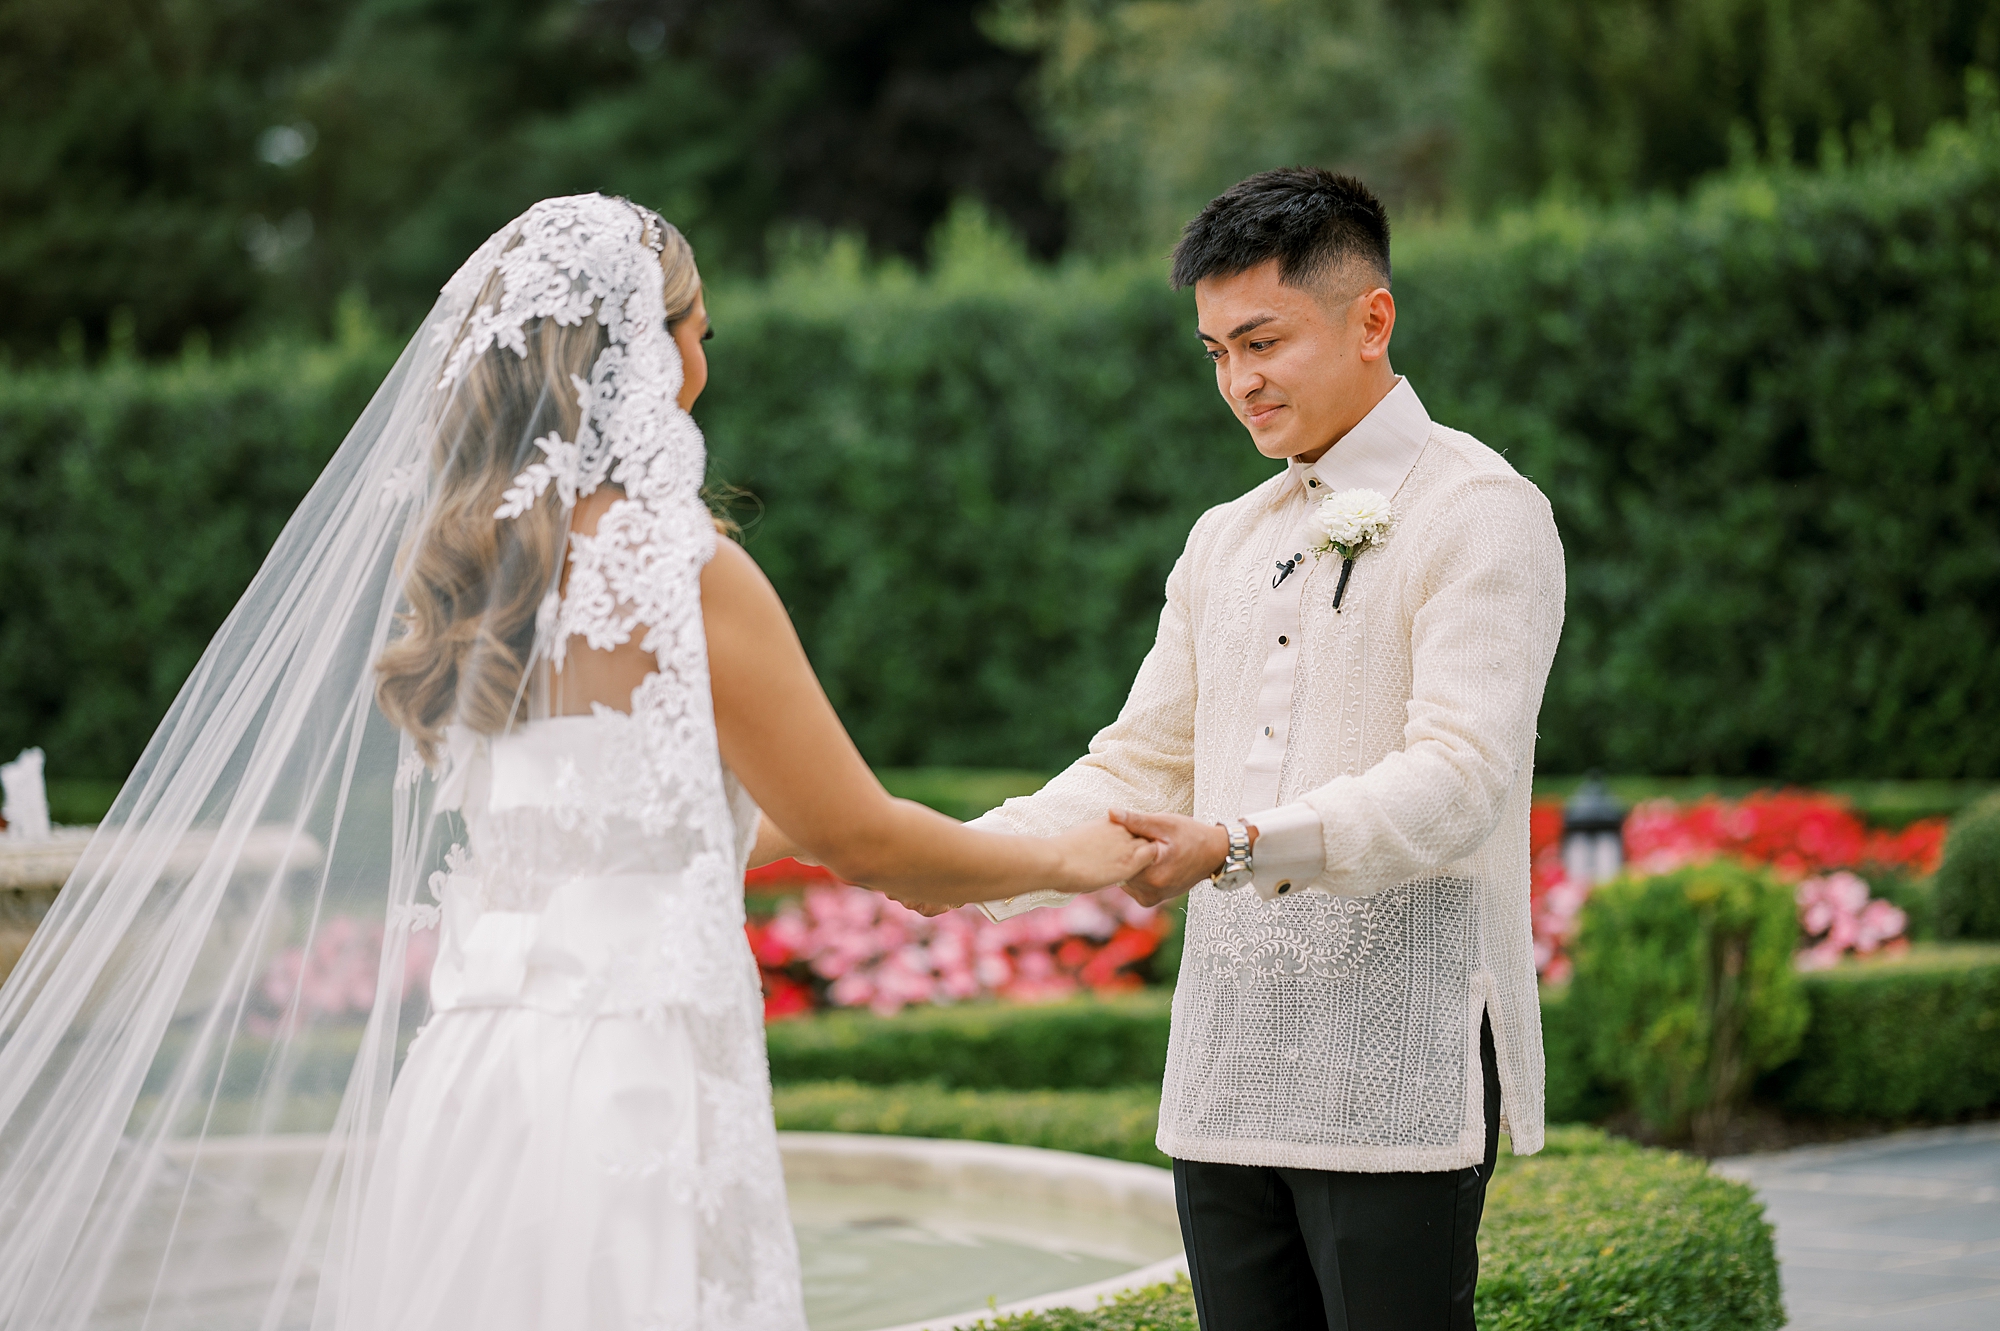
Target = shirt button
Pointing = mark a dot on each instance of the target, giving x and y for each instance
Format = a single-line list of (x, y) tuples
[(1282, 640), (1267, 731), (1313, 482)]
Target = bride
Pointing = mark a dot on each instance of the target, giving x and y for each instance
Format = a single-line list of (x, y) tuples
[(499, 697)]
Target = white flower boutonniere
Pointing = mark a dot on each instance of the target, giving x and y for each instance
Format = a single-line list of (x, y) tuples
[(1349, 523)]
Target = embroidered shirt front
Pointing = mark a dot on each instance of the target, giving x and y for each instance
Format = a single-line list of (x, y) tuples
[(1375, 455)]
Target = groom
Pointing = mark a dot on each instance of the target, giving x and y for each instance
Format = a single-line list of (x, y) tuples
[(1337, 760)]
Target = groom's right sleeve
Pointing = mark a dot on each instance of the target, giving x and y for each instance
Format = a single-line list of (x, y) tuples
[(1142, 761)]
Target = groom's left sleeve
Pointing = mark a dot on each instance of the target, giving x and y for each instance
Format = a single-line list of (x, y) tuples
[(1489, 612)]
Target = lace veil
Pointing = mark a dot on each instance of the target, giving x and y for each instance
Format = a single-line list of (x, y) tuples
[(196, 1049)]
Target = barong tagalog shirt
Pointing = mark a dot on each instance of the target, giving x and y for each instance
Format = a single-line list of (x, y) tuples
[(1385, 753)]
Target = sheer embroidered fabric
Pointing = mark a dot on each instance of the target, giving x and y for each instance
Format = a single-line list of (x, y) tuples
[(1338, 1028)]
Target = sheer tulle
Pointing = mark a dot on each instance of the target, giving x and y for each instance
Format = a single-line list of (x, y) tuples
[(197, 1052)]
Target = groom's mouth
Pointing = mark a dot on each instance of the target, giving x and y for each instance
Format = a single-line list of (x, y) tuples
[(1262, 415)]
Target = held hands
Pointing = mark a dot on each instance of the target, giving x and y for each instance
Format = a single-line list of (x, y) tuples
[(1099, 853), (1103, 853), (1189, 851)]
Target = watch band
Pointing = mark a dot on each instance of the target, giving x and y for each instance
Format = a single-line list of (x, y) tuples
[(1237, 863)]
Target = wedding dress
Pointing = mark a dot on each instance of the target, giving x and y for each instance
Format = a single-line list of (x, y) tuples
[(577, 1109), (236, 1091)]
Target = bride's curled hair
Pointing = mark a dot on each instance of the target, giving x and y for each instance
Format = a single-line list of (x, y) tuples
[(472, 584)]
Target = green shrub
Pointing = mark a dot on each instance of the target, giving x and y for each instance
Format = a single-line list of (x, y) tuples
[(1573, 1092), (1764, 418), (1624, 1238), (1118, 1124), (1082, 1043), (1911, 1037), (1687, 983), (1968, 882)]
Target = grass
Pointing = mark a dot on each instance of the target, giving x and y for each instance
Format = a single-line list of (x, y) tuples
[(1117, 1124)]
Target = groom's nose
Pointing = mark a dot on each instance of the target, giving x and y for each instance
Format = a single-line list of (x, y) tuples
[(1244, 385)]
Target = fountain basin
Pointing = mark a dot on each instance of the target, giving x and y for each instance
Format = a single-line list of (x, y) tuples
[(906, 1233), (895, 1233)]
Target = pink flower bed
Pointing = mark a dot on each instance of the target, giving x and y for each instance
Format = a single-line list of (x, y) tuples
[(1837, 916), (336, 975), (1814, 838), (836, 945)]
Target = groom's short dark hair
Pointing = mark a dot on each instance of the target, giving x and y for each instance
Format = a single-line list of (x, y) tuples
[(1312, 222)]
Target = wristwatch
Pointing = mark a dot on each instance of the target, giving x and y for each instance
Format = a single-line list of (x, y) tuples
[(1235, 870)]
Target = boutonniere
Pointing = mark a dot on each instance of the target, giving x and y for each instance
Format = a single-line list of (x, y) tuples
[(1350, 522)]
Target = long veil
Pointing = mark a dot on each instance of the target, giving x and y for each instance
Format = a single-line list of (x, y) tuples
[(196, 1050)]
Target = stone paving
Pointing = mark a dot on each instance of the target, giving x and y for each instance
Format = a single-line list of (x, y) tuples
[(1897, 1233)]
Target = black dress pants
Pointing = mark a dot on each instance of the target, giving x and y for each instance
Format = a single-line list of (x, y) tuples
[(1314, 1250)]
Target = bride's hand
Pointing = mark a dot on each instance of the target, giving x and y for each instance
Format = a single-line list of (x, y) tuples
[(927, 909), (1100, 853)]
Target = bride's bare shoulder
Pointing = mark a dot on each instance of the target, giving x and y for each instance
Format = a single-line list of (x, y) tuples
[(732, 570)]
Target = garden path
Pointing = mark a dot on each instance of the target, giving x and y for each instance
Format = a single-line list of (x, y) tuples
[(1897, 1232)]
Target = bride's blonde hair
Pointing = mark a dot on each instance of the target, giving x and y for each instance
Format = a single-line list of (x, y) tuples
[(472, 583)]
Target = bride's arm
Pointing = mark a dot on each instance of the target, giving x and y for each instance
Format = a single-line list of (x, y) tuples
[(781, 738), (772, 844)]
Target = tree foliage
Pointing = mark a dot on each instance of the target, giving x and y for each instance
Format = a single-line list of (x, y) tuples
[(1159, 105), (1468, 105), (219, 167), (1605, 98)]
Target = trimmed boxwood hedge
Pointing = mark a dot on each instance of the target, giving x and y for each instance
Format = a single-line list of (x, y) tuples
[(1591, 1233), (1090, 1042), (1915, 1037), (1910, 1037)]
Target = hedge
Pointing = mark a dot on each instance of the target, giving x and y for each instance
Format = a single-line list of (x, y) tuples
[(139, 500), (1764, 417), (1087, 1043), (1592, 1232), (1895, 1038), (1914, 1037)]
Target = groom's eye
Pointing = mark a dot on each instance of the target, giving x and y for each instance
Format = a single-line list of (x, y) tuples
[(1259, 346), (1213, 353)]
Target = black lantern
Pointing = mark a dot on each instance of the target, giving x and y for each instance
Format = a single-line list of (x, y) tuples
[(1593, 833)]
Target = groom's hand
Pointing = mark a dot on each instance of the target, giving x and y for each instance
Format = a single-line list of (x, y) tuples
[(1190, 851)]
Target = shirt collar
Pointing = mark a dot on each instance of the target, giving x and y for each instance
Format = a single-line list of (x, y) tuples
[(1375, 455)]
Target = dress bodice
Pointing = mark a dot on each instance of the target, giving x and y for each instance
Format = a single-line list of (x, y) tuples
[(561, 898)]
